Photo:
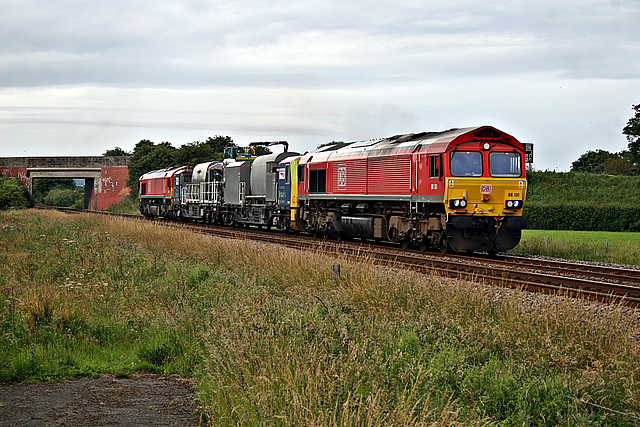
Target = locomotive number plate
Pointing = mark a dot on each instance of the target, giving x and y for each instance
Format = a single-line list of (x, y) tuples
[(486, 188)]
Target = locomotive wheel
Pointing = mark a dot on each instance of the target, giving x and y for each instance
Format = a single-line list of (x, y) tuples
[(404, 244), (424, 245), (444, 247)]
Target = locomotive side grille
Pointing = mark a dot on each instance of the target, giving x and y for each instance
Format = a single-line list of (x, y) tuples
[(390, 175)]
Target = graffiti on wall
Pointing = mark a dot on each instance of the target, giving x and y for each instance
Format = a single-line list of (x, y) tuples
[(20, 173)]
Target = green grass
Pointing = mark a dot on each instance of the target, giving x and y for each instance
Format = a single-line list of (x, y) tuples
[(127, 205), (274, 338), (620, 248)]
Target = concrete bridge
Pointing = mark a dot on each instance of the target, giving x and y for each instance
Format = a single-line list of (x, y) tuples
[(105, 178)]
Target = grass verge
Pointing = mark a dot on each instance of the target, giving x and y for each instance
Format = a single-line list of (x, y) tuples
[(602, 246), (273, 337), (127, 205)]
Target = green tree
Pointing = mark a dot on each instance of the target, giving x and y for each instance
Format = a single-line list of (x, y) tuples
[(196, 152), (592, 161), (14, 195), (261, 150), (334, 142), (147, 157), (42, 187), (218, 143), (199, 152), (116, 152), (632, 132), (63, 197), (618, 165)]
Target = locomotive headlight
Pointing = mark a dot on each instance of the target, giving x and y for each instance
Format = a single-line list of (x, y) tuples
[(457, 203), (509, 204), (513, 204)]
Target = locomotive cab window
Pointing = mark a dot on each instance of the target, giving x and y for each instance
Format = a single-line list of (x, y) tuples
[(505, 164), (317, 181), (466, 163), (434, 170)]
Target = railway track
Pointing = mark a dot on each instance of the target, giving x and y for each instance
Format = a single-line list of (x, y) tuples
[(598, 283)]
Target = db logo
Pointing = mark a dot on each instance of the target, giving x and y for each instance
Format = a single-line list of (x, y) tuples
[(486, 188), (342, 177)]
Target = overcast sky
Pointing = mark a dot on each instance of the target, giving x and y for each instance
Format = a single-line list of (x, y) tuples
[(79, 77)]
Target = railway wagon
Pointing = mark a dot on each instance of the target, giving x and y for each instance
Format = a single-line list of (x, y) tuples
[(257, 202), (203, 195), (460, 189)]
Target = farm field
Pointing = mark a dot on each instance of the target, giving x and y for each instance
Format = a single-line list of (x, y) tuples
[(601, 246), (272, 337)]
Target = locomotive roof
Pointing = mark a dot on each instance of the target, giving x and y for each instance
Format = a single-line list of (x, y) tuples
[(399, 142), (200, 170), (163, 173), (289, 159), (409, 140), (273, 158), (207, 165)]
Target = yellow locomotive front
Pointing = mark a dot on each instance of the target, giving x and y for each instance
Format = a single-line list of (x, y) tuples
[(485, 189)]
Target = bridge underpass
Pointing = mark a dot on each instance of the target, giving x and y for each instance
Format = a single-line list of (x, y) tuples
[(92, 179), (105, 177)]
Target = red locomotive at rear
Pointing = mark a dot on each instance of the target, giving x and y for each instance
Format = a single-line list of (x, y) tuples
[(160, 190)]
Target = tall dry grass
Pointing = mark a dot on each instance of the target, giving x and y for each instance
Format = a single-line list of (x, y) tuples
[(274, 337)]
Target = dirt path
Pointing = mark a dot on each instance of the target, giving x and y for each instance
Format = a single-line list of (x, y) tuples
[(141, 400)]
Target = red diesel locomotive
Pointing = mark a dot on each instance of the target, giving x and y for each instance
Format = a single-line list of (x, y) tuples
[(461, 189)]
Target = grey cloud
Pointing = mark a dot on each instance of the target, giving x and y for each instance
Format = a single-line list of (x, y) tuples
[(316, 71), (187, 44)]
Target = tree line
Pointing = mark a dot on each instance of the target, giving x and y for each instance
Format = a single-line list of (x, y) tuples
[(626, 162)]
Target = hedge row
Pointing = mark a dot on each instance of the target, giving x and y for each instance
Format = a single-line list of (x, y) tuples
[(573, 187), (582, 217)]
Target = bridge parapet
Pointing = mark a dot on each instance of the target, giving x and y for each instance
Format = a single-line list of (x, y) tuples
[(64, 162)]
